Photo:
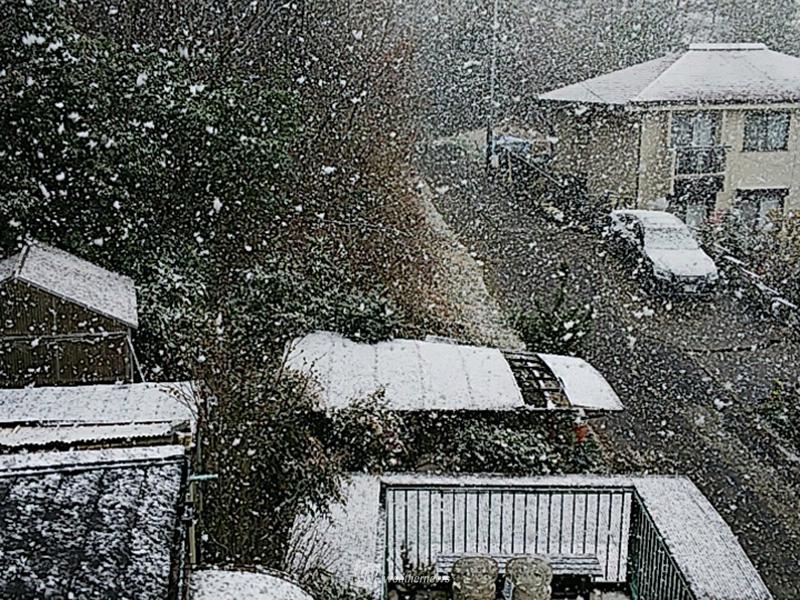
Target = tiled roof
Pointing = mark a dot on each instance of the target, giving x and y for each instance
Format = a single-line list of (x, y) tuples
[(728, 73), (90, 524), (73, 279)]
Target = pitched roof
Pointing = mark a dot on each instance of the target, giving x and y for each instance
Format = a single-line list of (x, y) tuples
[(704, 73), (71, 278), (35, 417), (90, 524), (418, 375)]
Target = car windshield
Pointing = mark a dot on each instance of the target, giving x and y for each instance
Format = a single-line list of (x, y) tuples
[(669, 238)]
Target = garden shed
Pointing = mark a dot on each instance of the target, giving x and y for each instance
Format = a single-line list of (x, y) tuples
[(64, 320)]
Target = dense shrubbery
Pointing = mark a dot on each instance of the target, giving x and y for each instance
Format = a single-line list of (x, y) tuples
[(218, 188), (556, 325), (519, 443)]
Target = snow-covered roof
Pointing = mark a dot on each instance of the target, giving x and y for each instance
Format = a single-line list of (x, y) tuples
[(652, 218), (414, 375), (71, 278), (584, 386), (703, 546), (103, 413), (91, 524), (434, 375), (725, 73), (225, 584)]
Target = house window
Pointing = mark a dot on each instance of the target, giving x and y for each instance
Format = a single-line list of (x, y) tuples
[(757, 209), (694, 128), (766, 131)]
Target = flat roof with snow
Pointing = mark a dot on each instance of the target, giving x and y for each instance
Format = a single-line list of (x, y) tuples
[(66, 276), (424, 515), (413, 375), (37, 417), (724, 73)]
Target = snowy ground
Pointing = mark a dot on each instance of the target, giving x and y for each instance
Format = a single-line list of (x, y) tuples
[(686, 370), (461, 282)]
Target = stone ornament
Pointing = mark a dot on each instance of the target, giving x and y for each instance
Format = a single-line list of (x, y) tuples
[(474, 578), (528, 578)]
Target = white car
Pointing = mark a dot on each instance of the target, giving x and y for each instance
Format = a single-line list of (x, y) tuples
[(667, 247)]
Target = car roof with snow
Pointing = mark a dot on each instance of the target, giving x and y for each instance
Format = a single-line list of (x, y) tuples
[(73, 279), (90, 524), (653, 218), (415, 375)]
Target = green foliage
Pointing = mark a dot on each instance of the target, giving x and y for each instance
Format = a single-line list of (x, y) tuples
[(557, 325), (368, 437), (121, 153), (260, 438), (515, 443), (366, 317)]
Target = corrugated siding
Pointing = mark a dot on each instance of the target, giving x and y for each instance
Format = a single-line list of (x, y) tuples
[(25, 310), (28, 356)]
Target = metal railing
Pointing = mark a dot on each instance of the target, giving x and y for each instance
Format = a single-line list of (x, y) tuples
[(653, 574), (610, 523), (699, 160)]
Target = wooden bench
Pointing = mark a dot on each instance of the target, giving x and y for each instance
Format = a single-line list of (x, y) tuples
[(578, 565)]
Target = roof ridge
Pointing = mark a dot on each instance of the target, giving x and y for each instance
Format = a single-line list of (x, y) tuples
[(23, 256), (678, 58)]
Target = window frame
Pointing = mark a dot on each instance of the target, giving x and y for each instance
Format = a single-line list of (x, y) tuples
[(756, 197), (761, 143)]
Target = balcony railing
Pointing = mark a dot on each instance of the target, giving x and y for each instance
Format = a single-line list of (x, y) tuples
[(699, 160), (609, 523)]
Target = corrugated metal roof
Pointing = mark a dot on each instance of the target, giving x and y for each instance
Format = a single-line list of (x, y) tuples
[(71, 278), (418, 375), (98, 404), (413, 375), (726, 73), (76, 435)]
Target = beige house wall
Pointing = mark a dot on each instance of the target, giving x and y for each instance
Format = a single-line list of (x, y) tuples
[(656, 161), (600, 145), (756, 170), (626, 153), (743, 170)]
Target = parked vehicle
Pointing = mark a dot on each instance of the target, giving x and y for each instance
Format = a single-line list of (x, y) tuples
[(666, 248)]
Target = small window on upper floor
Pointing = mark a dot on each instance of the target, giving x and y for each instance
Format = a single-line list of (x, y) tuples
[(766, 131), (695, 129)]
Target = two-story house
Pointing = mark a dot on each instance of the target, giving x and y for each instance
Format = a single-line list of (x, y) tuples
[(699, 133)]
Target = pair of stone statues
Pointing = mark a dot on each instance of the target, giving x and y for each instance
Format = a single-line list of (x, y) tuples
[(527, 578)]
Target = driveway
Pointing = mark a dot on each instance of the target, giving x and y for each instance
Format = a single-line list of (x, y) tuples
[(689, 371)]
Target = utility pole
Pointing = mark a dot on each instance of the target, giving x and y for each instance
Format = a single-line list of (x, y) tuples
[(491, 157)]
